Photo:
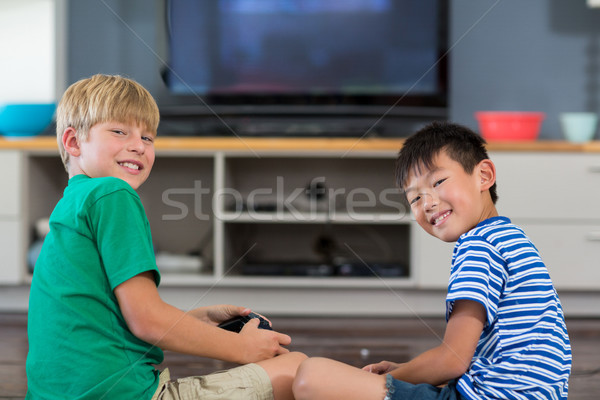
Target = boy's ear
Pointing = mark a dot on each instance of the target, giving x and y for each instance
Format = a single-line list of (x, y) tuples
[(487, 174), (71, 142)]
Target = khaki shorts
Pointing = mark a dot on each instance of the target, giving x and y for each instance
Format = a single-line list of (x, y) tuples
[(246, 382)]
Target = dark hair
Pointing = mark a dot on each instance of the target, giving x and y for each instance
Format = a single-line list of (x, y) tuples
[(460, 143)]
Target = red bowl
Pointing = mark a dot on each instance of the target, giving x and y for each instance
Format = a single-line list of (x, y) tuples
[(509, 125)]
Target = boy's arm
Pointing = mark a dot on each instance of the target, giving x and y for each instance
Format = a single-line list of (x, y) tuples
[(453, 357), (158, 323)]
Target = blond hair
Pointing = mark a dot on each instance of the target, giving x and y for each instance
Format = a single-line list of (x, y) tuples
[(103, 98)]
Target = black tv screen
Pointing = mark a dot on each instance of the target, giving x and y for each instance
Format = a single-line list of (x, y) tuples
[(308, 52)]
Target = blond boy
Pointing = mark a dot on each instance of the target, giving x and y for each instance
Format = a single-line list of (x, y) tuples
[(97, 325)]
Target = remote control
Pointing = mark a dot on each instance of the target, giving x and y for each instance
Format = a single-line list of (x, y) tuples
[(236, 324)]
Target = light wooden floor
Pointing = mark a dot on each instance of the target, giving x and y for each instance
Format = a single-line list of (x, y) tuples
[(355, 341)]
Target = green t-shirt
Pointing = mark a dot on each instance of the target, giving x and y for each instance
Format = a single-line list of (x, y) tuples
[(79, 344)]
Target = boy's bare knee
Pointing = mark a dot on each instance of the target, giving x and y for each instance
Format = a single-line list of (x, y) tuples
[(282, 371), (310, 372)]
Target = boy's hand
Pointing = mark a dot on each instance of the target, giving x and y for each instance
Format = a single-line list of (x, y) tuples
[(220, 313), (214, 315), (261, 344), (381, 368)]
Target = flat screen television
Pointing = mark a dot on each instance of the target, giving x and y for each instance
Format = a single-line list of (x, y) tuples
[(306, 67)]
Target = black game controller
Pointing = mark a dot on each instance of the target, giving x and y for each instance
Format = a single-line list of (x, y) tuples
[(236, 324)]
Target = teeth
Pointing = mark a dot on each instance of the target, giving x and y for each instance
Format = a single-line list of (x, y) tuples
[(441, 217), (130, 165)]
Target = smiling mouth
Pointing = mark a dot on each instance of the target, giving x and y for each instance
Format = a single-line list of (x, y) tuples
[(440, 217), (130, 165)]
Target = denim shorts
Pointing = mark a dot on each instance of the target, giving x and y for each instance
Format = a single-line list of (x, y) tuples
[(245, 382), (399, 390)]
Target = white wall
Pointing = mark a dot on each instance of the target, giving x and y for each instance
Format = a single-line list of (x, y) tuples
[(524, 56), (27, 51)]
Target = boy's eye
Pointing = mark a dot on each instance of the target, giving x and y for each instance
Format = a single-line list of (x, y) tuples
[(437, 183), (118, 132), (414, 200), (149, 139)]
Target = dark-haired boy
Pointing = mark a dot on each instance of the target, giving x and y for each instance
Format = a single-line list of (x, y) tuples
[(506, 336)]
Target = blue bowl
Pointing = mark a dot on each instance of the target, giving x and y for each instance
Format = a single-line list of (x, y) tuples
[(25, 120)]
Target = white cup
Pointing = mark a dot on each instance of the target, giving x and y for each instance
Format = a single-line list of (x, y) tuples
[(579, 127)]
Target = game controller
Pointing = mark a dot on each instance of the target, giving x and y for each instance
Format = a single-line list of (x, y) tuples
[(236, 324)]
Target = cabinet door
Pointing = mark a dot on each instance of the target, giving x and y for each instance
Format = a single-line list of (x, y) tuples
[(10, 182), (550, 186), (431, 259), (12, 264), (571, 253)]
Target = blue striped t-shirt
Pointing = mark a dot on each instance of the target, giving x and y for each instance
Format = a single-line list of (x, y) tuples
[(524, 350)]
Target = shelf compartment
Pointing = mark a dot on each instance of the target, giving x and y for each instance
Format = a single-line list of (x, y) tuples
[(178, 202), (312, 250), (310, 187)]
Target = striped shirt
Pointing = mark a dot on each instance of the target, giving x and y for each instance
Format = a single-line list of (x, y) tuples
[(524, 350)]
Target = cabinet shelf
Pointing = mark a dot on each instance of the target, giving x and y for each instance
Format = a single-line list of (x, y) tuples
[(304, 218), (169, 279), (274, 217)]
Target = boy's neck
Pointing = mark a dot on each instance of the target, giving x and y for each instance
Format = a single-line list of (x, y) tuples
[(489, 209)]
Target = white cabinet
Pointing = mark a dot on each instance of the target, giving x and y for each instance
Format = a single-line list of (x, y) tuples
[(548, 186), (571, 253), (314, 232), (555, 198), (11, 228), (11, 182)]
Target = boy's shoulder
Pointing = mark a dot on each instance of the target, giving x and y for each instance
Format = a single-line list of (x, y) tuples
[(501, 241), (495, 234), (93, 189), (102, 184), (492, 229)]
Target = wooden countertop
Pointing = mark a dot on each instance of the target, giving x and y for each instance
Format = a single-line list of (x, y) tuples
[(253, 144)]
